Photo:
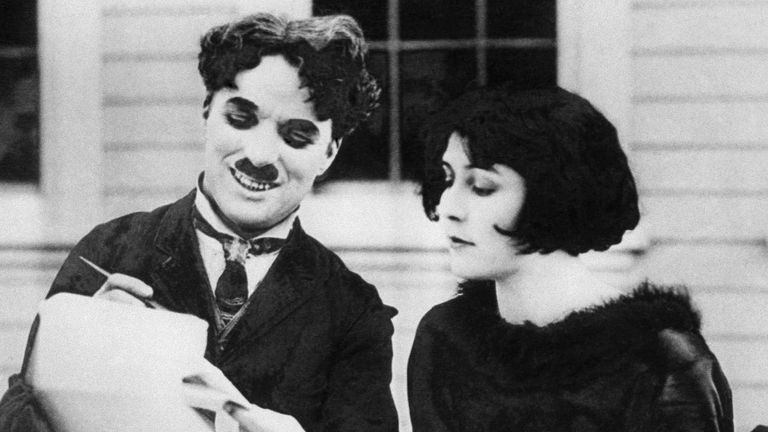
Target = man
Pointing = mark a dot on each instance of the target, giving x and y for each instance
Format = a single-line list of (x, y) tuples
[(305, 340)]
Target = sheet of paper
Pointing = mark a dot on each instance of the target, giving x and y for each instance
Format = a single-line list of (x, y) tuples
[(99, 365)]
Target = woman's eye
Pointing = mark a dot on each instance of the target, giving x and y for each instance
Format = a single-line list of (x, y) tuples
[(479, 191), (240, 120)]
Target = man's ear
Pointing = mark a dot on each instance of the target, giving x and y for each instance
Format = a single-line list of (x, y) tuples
[(330, 155)]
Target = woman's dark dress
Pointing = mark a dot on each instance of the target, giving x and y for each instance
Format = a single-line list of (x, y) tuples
[(637, 363)]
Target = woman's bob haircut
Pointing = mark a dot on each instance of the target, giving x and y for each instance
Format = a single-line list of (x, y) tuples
[(580, 193)]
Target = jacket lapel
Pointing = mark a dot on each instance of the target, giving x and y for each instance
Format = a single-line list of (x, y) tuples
[(288, 284), (178, 275)]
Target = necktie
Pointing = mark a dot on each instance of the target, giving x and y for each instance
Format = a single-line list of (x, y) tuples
[(232, 286)]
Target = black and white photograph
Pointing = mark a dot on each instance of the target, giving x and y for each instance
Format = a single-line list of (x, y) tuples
[(384, 215)]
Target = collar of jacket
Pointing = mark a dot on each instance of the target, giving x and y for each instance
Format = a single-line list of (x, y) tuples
[(584, 345), (179, 276)]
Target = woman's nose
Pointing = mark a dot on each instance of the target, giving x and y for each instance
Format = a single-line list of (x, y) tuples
[(451, 205)]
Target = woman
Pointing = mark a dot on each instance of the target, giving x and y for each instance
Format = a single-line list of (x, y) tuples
[(521, 183)]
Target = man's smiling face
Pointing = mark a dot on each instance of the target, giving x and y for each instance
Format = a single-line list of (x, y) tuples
[(264, 145)]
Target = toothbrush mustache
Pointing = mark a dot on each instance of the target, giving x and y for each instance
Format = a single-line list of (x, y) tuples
[(265, 174)]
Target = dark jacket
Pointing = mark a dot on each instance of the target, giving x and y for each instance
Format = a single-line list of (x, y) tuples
[(315, 341), (637, 363)]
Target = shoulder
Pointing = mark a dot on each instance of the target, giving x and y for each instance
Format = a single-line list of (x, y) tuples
[(136, 228), (120, 245), (343, 287)]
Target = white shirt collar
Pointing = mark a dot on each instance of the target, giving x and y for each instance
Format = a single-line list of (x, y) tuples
[(280, 230)]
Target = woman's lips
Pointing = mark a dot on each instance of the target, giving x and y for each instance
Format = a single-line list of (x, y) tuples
[(250, 183)]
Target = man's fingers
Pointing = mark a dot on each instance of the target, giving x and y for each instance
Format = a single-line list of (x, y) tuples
[(124, 289), (119, 296), (243, 416), (253, 418), (130, 285)]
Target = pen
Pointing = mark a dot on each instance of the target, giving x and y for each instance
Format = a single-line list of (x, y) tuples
[(148, 303)]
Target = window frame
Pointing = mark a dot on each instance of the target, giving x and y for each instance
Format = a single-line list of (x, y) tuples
[(593, 59)]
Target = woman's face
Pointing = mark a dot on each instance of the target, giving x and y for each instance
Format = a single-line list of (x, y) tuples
[(474, 201)]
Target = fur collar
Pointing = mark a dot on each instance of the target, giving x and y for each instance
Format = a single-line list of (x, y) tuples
[(585, 344)]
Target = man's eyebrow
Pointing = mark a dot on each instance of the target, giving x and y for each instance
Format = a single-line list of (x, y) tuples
[(243, 104), (300, 125)]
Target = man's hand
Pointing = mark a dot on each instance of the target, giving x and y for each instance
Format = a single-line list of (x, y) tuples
[(256, 419), (126, 289), (208, 386)]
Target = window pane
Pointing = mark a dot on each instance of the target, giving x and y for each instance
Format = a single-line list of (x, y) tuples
[(428, 80), (434, 19), (18, 23), (521, 18), (19, 154), (371, 14), (526, 68), (365, 153)]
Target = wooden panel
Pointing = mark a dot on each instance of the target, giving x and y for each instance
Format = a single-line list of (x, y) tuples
[(708, 266), (146, 169), (129, 6), (700, 75), (742, 361), (749, 408), (13, 341), (722, 123), (724, 25), (733, 313), (174, 124), (22, 309), (116, 205), (705, 170), (688, 217), (171, 33), (666, 4), (153, 79)]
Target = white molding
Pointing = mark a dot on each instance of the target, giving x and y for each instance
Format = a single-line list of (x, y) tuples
[(594, 56), (70, 113)]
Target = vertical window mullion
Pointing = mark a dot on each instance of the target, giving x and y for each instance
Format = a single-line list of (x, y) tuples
[(481, 36), (393, 47)]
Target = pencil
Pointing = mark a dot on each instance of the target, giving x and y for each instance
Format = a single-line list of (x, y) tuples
[(148, 303)]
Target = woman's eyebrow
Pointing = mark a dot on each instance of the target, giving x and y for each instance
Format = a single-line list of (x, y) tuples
[(243, 104), (491, 169)]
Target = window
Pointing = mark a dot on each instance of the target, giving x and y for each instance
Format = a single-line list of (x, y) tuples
[(19, 83), (425, 53)]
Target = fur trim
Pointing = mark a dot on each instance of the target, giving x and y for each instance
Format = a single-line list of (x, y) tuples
[(586, 344)]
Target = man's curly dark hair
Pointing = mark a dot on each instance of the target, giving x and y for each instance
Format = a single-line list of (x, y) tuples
[(329, 52), (580, 194)]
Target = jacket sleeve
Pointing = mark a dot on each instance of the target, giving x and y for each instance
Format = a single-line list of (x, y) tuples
[(19, 410), (695, 395), (424, 405), (359, 397)]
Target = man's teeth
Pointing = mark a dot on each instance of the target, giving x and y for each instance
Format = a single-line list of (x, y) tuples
[(250, 183)]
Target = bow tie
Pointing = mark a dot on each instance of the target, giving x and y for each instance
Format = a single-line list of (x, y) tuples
[(236, 248)]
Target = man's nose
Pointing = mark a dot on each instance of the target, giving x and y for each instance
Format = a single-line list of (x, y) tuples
[(262, 144), (451, 206)]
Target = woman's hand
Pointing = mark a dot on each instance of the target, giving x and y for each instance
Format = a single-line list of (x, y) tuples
[(256, 419), (126, 289)]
